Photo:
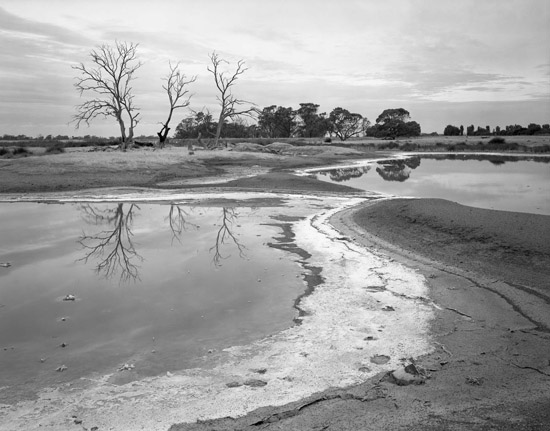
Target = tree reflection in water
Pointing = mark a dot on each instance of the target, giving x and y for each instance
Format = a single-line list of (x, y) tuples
[(177, 220), (397, 170), (345, 174), (115, 249), (225, 233), (389, 170)]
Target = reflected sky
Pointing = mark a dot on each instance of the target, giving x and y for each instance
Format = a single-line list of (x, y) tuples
[(522, 185), (196, 279)]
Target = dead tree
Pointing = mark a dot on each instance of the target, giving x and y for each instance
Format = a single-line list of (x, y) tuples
[(230, 106), (109, 79), (176, 88)]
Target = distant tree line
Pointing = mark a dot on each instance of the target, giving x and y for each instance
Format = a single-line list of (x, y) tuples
[(305, 122), (531, 129), (280, 122)]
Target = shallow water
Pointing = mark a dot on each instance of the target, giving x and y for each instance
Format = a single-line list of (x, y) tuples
[(155, 286), (149, 316), (491, 182)]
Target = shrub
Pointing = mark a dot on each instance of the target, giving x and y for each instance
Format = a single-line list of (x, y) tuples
[(389, 146), (56, 149), (21, 151), (541, 149), (497, 140), (3, 151)]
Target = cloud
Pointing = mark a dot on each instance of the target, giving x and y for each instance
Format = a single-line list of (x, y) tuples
[(20, 28)]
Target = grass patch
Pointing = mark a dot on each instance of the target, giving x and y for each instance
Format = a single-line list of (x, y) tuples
[(409, 146)]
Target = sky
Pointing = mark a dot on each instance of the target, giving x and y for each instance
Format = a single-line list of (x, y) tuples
[(481, 62)]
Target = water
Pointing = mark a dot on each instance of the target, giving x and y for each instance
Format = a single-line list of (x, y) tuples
[(492, 182), (155, 286)]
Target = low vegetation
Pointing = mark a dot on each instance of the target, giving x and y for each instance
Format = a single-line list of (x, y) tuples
[(8, 153)]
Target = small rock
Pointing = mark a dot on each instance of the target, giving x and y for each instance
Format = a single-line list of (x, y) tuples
[(69, 298), (233, 384), (408, 375), (255, 383), (365, 369), (63, 345), (388, 308), (61, 368), (369, 338), (5, 264), (260, 370), (126, 367), (474, 381), (78, 421)]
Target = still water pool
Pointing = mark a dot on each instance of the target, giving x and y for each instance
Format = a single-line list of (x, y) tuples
[(493, 182), (95, 286)]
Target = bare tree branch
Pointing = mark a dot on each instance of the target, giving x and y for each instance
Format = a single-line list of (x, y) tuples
[(109, 77), (178, 96), (229, 104)]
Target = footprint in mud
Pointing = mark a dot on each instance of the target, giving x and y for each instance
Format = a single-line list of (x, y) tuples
[(375, 288), (380, 359)]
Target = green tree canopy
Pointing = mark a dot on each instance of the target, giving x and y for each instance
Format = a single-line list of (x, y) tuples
[(277, 122), (345, 124), (389, 115), (311, 123)]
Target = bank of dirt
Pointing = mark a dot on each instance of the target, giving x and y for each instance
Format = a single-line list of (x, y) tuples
[(490, 369), (171, 167), (503, 245)]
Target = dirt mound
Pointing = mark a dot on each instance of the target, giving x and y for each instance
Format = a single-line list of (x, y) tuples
[(248, 146)]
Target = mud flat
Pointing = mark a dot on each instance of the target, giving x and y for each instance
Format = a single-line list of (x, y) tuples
[(489, 366)]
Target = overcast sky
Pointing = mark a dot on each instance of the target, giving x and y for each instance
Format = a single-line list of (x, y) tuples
[(481, 62)]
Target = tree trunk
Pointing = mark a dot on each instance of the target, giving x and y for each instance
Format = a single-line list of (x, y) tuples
[(163, 135), (219, 130), (123, 143)]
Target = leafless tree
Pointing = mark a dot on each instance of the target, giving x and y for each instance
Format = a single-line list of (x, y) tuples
[(230, 106), (178, 95), (109, 79), (114, 247), (225, 233)]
